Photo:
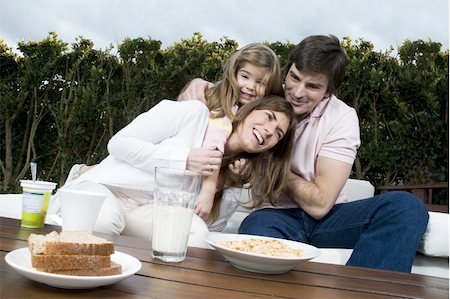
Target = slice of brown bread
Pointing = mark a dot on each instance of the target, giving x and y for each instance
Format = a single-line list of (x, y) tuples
[(113, 270), (68, 243), (70, 262)]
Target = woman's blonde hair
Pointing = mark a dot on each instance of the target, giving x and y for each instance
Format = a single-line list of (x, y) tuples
[(268, 170), (225, 94)]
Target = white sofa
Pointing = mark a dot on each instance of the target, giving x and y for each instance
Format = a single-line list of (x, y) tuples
[(432, 258)]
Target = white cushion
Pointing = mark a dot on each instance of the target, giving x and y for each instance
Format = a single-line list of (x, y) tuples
[(139, 223), (424, 265), (432, 266), (234, 222), (358, 189), (11, 205), (337, 256), (435, 240)]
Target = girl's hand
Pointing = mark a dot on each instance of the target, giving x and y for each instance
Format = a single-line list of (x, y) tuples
[(237, 165), (203, 205), (204, 160)]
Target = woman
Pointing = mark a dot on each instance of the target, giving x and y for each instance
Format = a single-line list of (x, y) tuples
[(165, 135)]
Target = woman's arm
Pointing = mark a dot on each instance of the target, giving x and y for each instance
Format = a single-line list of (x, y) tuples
[(144, 143)]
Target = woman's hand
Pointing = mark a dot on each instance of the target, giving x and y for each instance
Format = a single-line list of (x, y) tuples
[(195, 90), (204, 160)]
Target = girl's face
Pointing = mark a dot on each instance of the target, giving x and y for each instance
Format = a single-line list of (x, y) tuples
[(250, 81), (261, 130)]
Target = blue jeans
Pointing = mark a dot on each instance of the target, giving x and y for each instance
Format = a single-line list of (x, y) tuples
[(384, 231)]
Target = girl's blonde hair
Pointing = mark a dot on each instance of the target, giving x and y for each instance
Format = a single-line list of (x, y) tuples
[(225, 94), (266, 171)]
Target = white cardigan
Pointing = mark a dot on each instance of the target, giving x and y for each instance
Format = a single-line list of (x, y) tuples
[(162, 136)]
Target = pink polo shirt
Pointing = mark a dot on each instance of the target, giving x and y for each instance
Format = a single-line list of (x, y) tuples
[(332, 131)]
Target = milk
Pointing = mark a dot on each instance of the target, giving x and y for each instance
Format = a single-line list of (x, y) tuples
[(174, 196), (171, 232)]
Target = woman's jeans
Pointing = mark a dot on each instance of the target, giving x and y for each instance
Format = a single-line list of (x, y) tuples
[(384, 230)]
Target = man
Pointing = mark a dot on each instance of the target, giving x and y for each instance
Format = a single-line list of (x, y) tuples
[(384, 230)]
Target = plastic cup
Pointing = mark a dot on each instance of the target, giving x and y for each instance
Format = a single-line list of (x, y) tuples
[(35, 198), (174, 198), (80, 209)]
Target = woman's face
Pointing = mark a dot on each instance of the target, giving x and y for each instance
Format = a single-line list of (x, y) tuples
[(261, 130), (249, 79)]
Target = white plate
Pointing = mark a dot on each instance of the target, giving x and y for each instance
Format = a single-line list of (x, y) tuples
[(20, 260), (260, 263)]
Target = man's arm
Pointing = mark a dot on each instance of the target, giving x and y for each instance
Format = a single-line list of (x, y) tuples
[(318, 197)]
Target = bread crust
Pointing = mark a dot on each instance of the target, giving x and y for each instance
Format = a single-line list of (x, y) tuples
[(114, 269), (69, 243), (66, 248), (73, 262)]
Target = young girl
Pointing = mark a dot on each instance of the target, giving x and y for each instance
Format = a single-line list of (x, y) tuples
[(249, 74)]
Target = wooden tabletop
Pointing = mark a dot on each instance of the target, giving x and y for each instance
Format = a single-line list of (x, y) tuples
[(205, 274)]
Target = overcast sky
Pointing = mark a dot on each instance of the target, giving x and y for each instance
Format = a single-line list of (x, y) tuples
[(105, 22)]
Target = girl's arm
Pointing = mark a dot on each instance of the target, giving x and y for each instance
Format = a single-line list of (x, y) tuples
[(205, 200)]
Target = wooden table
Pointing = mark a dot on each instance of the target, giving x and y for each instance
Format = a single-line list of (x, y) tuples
[(205, 274)]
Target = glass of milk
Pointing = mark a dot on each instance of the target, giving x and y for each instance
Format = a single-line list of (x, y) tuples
[(174, 197)]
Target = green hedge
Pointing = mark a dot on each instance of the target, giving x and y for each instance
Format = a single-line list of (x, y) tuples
[(60, 104)]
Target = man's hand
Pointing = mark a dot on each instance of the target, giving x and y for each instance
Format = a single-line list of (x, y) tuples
[(204, 160), (195, 90)]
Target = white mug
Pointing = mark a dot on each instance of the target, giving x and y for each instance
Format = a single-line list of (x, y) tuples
[(80, 209)]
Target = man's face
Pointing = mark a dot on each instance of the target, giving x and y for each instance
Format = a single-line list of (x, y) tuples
[(304, 90)]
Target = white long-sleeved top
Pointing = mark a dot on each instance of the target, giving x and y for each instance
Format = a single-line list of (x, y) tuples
[(162, 136)]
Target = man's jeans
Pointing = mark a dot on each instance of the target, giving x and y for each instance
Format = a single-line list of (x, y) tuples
[(384, 230)]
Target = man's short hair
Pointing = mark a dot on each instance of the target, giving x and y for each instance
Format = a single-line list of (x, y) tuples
[(320, 54)]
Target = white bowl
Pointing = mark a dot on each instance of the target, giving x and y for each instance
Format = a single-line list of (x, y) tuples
[(260, 263)]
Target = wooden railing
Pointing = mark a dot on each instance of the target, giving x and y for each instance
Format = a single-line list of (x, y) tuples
[(423, 191)]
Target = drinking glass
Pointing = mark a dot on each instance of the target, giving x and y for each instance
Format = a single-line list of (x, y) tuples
[(174, 197)]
